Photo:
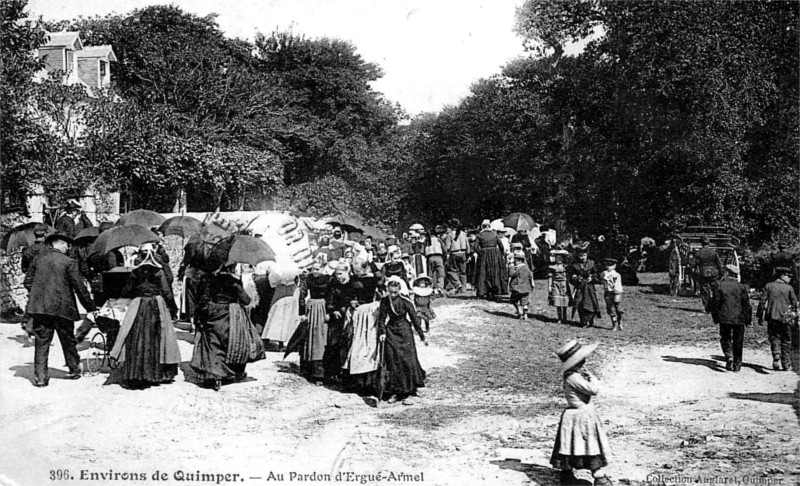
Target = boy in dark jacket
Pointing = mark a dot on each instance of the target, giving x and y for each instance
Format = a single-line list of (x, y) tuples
[(521, 285)]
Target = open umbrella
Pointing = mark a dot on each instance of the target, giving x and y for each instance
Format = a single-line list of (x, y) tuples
[(519, 221), (87, 234), (142, 217), (347, 223), (249, 249), (21, 236), (119, 236), (184, 226)]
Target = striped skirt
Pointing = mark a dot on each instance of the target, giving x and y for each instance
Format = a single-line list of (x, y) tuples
[(314, 348)]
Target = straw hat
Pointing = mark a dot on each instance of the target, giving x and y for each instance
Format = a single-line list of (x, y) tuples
[(425, 277), (416, 227), (573, 353)]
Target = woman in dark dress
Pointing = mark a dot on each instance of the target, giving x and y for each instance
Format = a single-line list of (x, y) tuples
[(316, 285), (489, 280), (226, 338), (362, 360), (402, 372), (395, 266), (340, 298), (146, 347)]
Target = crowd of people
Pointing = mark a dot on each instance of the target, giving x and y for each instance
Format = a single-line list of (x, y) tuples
[(352, 315)]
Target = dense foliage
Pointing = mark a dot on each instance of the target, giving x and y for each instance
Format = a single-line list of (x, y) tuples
[(675, 113), (680, 113)]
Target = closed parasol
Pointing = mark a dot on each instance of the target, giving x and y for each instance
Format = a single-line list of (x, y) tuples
[(120, 236), (142, 217), (184, 226), (21, 236), (298, 339), (519, 221), (250, 250)]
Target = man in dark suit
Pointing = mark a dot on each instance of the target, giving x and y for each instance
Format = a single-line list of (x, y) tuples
[(777, 300), (53, 283), (31, 253), (708, 268), (730, 308)]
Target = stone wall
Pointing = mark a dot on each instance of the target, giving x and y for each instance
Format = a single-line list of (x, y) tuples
[(13, 296)]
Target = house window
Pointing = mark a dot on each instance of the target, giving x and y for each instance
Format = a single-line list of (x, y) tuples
[(102, 69)]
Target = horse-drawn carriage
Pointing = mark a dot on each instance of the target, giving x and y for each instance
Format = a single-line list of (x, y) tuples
[(682, 259)]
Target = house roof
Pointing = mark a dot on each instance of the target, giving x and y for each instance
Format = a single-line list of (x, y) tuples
[(64, 39), (98, 51)]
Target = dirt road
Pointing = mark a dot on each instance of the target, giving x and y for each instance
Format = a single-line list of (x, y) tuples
[(672, 412)]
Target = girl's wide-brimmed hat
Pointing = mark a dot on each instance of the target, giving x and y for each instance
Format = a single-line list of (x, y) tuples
[(573, 353), (422, 277)]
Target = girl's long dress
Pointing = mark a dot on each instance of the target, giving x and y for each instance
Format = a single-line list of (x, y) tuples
[(489, 267), (338, 343), (226, 338), (146, 346), (560, 295), (402, 371), (581, 442), (314, 349)]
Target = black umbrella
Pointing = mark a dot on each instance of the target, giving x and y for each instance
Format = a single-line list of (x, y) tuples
[(142, 217), (249, 249), (298, 339), (87, 234), (119, 236), (21, 236), (184, 226)]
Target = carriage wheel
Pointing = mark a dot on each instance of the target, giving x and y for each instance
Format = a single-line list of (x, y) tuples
[(97, 354)]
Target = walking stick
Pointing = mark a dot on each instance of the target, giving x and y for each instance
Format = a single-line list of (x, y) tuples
[(380, 373)]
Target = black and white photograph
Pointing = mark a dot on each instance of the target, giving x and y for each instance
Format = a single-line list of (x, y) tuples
[(409, 242)]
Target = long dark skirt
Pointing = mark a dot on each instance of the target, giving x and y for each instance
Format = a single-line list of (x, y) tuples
[(213, 349), (402, 371), (489, 273), (336, 348), (143, 347)]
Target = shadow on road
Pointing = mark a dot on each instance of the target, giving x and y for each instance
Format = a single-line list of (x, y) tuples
[(792, 399), (757, 368), (501, 314), (540, 475), (687, 309), (708, 363)]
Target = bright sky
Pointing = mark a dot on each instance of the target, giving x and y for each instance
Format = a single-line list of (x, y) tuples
[(431, 51)]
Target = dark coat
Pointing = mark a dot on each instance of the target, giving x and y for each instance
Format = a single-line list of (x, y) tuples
[(730, 303), (707, 258), (53, 281), (521, 279), (66, 224), (32, 253), (776, 300)]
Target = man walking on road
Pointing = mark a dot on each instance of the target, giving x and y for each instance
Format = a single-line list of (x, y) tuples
[(53, 283), (456, 246), (708, 270), (777, 301), (730, 308)]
